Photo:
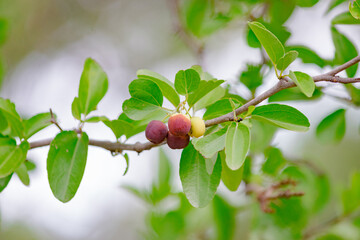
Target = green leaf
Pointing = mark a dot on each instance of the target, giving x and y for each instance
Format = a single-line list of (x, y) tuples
[(354, 8), (66, 163), (252, 77), (166, 87), (274, 162), (126, 157), (282, 116), (230, 178), (286, 60), (237, 144), (4, 181), (11, 155), (186, 81), (96, 119), (93, 86), (4, 27), (332, 128), (225, 218), (210, 163), (37, 123), (199, 187), (23, 174), (126, 126), (8, 110), (344, 51), (304, 82), (252, 40), (76, 108), (307, 55), (220, 108), (212, 143), (269, 41), (294, 94), (210, 98), (330, 236), (145, 102), (344, 18), (204, 88), (30, 166)]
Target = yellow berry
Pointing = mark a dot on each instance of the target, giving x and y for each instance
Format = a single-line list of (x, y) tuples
[(197, 127)]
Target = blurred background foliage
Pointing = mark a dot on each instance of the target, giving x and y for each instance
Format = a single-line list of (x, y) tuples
[(156, 34)]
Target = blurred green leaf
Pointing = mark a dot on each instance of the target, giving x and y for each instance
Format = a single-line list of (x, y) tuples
[(330, 236), (282, 116), (37, 123), (145, 102), (344, 18), (3, 31), (11, 155), (354, 93), (30, 166), (225, 218), (166, 87), (4, 181), (212, 143), (351, 195), (237, 144), (199, 187), (93, 86), (294, 94), (306, 3), (281, 10), (307, 55), (187, 81), (344, 51), (66, 163), (200, 18), (354, 8), (261, 136), (96, 119), (252, 40), (286, 60), (204, 88), (210, 163), (252, 77), (230, 178), (332, 128), (7, 108), (274, 161), (304, 82), (23, 174), (269, 41), (334, 4), (164, 174), (220, 108)]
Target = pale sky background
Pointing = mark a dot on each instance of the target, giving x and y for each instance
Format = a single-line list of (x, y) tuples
[(123, 41)]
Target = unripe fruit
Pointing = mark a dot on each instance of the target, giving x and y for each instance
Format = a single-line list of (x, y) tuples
[(177, 142), (156, 131), (179, 124), (197, 127)]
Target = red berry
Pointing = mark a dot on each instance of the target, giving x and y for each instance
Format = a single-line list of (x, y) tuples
[(177, 142), (179, 124), (156, 131)]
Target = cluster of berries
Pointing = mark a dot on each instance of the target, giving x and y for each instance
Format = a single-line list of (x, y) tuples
[(181, 127)]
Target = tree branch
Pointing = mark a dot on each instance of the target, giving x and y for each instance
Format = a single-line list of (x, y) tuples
[(282, 84)]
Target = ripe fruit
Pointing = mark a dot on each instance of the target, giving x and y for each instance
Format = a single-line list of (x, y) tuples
[(179, 124), (156, 131), (197, 127), (177, 142)]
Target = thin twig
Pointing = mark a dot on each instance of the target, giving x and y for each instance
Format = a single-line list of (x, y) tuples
[(280, 85), (54, 121)]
